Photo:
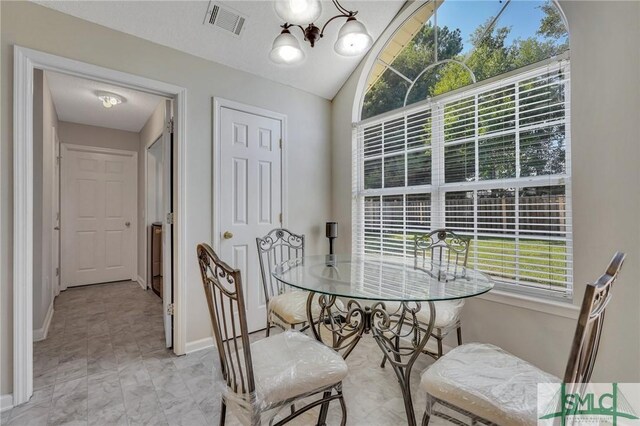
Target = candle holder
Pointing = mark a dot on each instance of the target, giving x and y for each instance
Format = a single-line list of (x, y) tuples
[(332, 234)]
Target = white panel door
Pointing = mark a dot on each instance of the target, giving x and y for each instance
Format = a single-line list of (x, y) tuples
[(98, 215), (250, 197)]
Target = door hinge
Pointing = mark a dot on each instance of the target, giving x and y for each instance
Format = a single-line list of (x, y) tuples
[(170, 218), (57, 272), (280, 217), (170, 309), (170, 126), (281, 143)]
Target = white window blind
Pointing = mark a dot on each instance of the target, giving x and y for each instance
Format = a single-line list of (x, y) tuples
[(491, 162)]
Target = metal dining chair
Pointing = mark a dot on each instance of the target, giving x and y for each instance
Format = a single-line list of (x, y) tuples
[(272, 373), (491, 386), (448, 253), (441, 252), (285, 309)]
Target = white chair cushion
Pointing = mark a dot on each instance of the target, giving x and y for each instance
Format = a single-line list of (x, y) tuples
[(291, 307), (292, 364), (487, 381), (447, 312)]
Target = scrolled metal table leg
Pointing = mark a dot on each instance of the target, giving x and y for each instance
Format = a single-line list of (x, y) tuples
[(344, 326), (388, 331)]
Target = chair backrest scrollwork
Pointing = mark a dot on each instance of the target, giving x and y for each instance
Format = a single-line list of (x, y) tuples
[(278, 246), (223, 290), (440, 248), (586, 339)]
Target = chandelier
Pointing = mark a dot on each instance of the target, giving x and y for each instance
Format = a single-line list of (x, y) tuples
[(353, 38)]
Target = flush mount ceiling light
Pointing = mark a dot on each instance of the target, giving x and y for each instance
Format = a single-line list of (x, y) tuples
[(353, 38), (109, 99)]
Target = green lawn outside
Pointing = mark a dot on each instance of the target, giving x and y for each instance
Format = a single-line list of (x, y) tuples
[(542, 262)]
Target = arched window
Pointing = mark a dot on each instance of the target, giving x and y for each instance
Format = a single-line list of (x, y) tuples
[(465, 125)]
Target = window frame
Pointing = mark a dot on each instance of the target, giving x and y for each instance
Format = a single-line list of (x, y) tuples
[(438, 188)]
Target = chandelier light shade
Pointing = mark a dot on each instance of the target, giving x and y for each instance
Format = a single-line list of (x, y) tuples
[(353, 38), (286, 49), (298, 12)]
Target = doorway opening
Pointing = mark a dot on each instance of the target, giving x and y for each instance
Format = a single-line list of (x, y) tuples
[(75, 177), (89, 210)]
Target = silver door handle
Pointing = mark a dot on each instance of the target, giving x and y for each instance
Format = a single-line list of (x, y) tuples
[(127, 224)]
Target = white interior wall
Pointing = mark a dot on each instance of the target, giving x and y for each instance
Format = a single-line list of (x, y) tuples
[(45, 121), (309, 117), (155, 165), (605, 121), (101, 137), (149, 133)]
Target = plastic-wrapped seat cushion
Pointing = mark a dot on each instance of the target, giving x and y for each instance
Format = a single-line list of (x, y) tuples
[(487, 381), (292, 306), (291, 364), (447, 312)]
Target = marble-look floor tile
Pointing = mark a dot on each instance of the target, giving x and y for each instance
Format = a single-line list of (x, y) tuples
[(104, 391), (5, 416), (134, 374), (106, 364), (41, 398), (183, 412), (35, 416), (72, 370), (101, 363), (113, 415), (69, 402), (142, 406), (169, 387), (45, 379)]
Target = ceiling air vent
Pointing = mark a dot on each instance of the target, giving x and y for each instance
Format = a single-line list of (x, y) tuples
[(224, 18)]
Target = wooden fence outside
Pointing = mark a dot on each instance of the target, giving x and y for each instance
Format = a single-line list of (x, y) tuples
[(538, 215)]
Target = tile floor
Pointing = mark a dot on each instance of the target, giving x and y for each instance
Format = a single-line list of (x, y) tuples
[(104, 363)]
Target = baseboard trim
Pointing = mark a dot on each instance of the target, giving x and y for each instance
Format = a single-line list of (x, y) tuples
[(198, 345), (41, 333), (6, 402), (142, 282)]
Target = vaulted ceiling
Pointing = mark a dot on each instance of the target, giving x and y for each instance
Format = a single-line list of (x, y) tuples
[(182, 25)]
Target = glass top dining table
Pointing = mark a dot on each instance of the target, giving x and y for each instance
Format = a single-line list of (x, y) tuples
[(382, 278), (353, 295)]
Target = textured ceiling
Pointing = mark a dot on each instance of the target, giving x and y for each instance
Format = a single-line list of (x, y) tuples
[(180, 25), (76, 101)]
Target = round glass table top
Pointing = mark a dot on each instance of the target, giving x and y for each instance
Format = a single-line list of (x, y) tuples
[(382, 278)]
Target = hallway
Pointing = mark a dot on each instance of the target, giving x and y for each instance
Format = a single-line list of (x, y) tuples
[(104, 363)]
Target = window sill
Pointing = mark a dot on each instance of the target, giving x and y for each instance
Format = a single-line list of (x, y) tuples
[(551, 307)]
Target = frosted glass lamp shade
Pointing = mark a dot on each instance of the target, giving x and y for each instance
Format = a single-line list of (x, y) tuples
[(298, 12), (286, 49), (353, 38)]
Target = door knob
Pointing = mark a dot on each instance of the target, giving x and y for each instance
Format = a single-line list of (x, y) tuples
[(227, 235), (56, 228), (127, 224)]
